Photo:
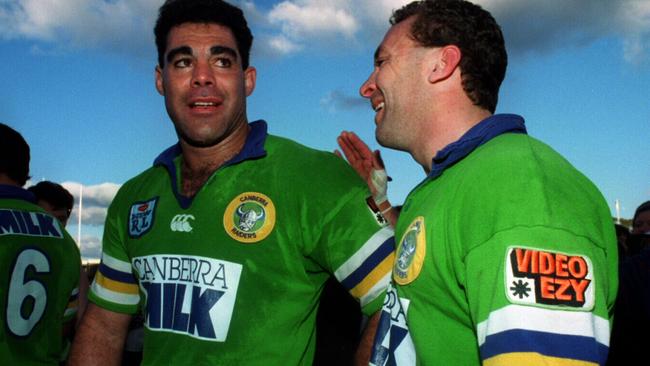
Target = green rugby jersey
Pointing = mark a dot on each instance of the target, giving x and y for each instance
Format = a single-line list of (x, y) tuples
[(507, 257), (39, 270), (234, 275)]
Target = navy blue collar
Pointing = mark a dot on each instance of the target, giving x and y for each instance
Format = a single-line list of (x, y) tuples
[(483, 132), (253, 149), (16, 193)]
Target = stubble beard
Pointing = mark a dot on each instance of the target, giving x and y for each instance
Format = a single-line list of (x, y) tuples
[(388, 134)]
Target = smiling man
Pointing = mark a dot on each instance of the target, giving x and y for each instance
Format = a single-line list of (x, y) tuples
[(506, 254), (226, 242)]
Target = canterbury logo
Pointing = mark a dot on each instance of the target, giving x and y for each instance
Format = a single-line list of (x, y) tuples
[(181, 223)]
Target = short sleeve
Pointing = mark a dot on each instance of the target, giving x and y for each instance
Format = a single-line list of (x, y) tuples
[(357, 246), (115, 286), (539, 294)]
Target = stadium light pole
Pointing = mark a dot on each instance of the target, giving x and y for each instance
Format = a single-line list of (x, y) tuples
[(81, 199)]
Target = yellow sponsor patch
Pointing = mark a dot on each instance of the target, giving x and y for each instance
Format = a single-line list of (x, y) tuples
[(410, 253), (249, 217)]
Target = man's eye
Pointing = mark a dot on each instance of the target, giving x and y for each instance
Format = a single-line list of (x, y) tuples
[(184, 62), (223, 62), (378, 62)]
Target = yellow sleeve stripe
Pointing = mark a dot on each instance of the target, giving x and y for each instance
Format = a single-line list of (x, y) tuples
[(533, 359), (115, 286), (376, 275)]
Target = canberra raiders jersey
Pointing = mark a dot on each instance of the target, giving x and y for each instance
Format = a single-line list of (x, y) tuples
[(39, 272), (505, 255), (234, 275)]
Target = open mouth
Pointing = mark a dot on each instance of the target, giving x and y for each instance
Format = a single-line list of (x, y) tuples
[(203, 104), (378, 107)]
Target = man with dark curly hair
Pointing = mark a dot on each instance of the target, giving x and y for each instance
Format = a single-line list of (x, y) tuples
[(54, 198), (506, 254), (39, 267), (226, 242)]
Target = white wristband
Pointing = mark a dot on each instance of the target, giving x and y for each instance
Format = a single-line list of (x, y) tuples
[(379, 180)]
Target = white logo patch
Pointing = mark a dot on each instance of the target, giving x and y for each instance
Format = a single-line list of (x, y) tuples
[(546, 278), (393, 344), (141, 217), (181, 223), (189, 295)]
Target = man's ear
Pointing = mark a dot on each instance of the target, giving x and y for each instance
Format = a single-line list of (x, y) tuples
[(250, 77), (159, 81), (446, 62)]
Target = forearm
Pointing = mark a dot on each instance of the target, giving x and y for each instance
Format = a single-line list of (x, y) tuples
[(100, 338), (364, 351)]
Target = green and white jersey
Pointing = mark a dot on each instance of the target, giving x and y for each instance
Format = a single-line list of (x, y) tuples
[(506, 255), (234, 275), (39, 272)]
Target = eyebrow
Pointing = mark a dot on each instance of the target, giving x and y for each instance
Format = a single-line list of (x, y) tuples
[(217, 50), (377, 53), (182, 50), (214, 50)]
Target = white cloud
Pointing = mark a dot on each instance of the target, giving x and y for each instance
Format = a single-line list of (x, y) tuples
[(91, 247), (543, 26), (290, 26), (337, 99), (96, 200), (315, 23), (121, 26), (313, 18), (282, 45)]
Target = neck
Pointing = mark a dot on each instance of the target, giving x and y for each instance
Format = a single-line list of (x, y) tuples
[(446, 127), (199, 163)]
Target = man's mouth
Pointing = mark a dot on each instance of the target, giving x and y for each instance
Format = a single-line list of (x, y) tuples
[(203, 104), (378, 107)]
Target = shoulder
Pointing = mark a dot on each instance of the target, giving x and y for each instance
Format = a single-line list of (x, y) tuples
[(141, 183), (293, 155), (516, 180), (515, 160)]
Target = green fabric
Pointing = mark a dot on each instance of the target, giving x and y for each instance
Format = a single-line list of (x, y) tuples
[(321, 221), (514, 191), (40, 269)]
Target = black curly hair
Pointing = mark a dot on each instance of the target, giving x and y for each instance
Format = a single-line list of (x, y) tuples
[(474, 31), (14, 155), (176, 12)]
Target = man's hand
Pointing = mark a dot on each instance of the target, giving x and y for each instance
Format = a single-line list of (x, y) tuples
[(367, 163)]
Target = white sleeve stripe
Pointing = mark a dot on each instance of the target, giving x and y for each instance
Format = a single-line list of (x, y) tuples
[(116, 264), (114, 297), (369, 247), (376, 290), (579, 323)]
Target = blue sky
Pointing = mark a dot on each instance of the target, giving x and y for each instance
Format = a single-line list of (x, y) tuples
[(77, 79)]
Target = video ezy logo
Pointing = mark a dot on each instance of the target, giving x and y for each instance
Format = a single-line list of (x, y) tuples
[(549, 278)]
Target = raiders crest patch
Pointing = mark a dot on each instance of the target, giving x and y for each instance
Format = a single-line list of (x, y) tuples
[(410, 253), (141, 217), (249, 217), (538, 277)]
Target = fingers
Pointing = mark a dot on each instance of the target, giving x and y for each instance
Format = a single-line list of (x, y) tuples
[(360, 147), (348, 149)]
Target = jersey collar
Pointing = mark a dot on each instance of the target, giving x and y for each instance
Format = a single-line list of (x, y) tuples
[(18, 193), (478, 135), (253, 149)]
